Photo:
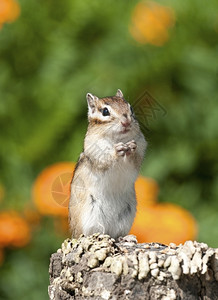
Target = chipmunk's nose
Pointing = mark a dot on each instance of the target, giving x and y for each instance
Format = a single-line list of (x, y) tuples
[(125, 121)]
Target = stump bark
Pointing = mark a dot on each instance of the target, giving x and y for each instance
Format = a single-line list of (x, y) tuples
[(98, 267)]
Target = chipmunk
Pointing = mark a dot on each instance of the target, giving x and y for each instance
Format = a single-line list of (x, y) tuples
[(103, 186)]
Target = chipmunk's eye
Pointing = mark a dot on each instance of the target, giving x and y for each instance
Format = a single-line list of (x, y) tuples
[(105, 112)]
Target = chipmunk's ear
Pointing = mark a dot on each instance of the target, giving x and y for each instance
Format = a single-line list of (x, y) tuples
[(91, 100), (119, 93)]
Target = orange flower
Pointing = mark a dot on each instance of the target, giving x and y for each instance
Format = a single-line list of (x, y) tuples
[(164, 223), (150, 23), (14, 230), (157, 222), (51, 190), (146, 191), (9, 11)]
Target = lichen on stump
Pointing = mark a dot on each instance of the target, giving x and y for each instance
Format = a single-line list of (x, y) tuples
[(98, 267)]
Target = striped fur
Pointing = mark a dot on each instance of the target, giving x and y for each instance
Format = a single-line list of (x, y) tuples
[(102, 189)]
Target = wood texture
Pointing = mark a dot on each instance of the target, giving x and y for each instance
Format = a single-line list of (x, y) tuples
[(97, 267)]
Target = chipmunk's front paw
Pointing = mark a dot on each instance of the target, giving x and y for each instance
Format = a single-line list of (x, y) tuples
[(121, 149), (131, 147)]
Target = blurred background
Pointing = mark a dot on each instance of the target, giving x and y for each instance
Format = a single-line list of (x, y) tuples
[(51, 54)]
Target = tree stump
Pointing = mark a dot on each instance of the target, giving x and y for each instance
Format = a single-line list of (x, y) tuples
[(98, 267)]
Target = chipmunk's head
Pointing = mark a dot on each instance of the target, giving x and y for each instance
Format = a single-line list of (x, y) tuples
[(114, 114)]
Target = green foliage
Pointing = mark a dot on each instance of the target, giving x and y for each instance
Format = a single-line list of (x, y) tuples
[(54, 54)]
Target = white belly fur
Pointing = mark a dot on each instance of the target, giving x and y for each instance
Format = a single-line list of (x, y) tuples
[(115, 205)]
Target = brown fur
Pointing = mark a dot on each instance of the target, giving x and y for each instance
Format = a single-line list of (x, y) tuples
[(90, 163)]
